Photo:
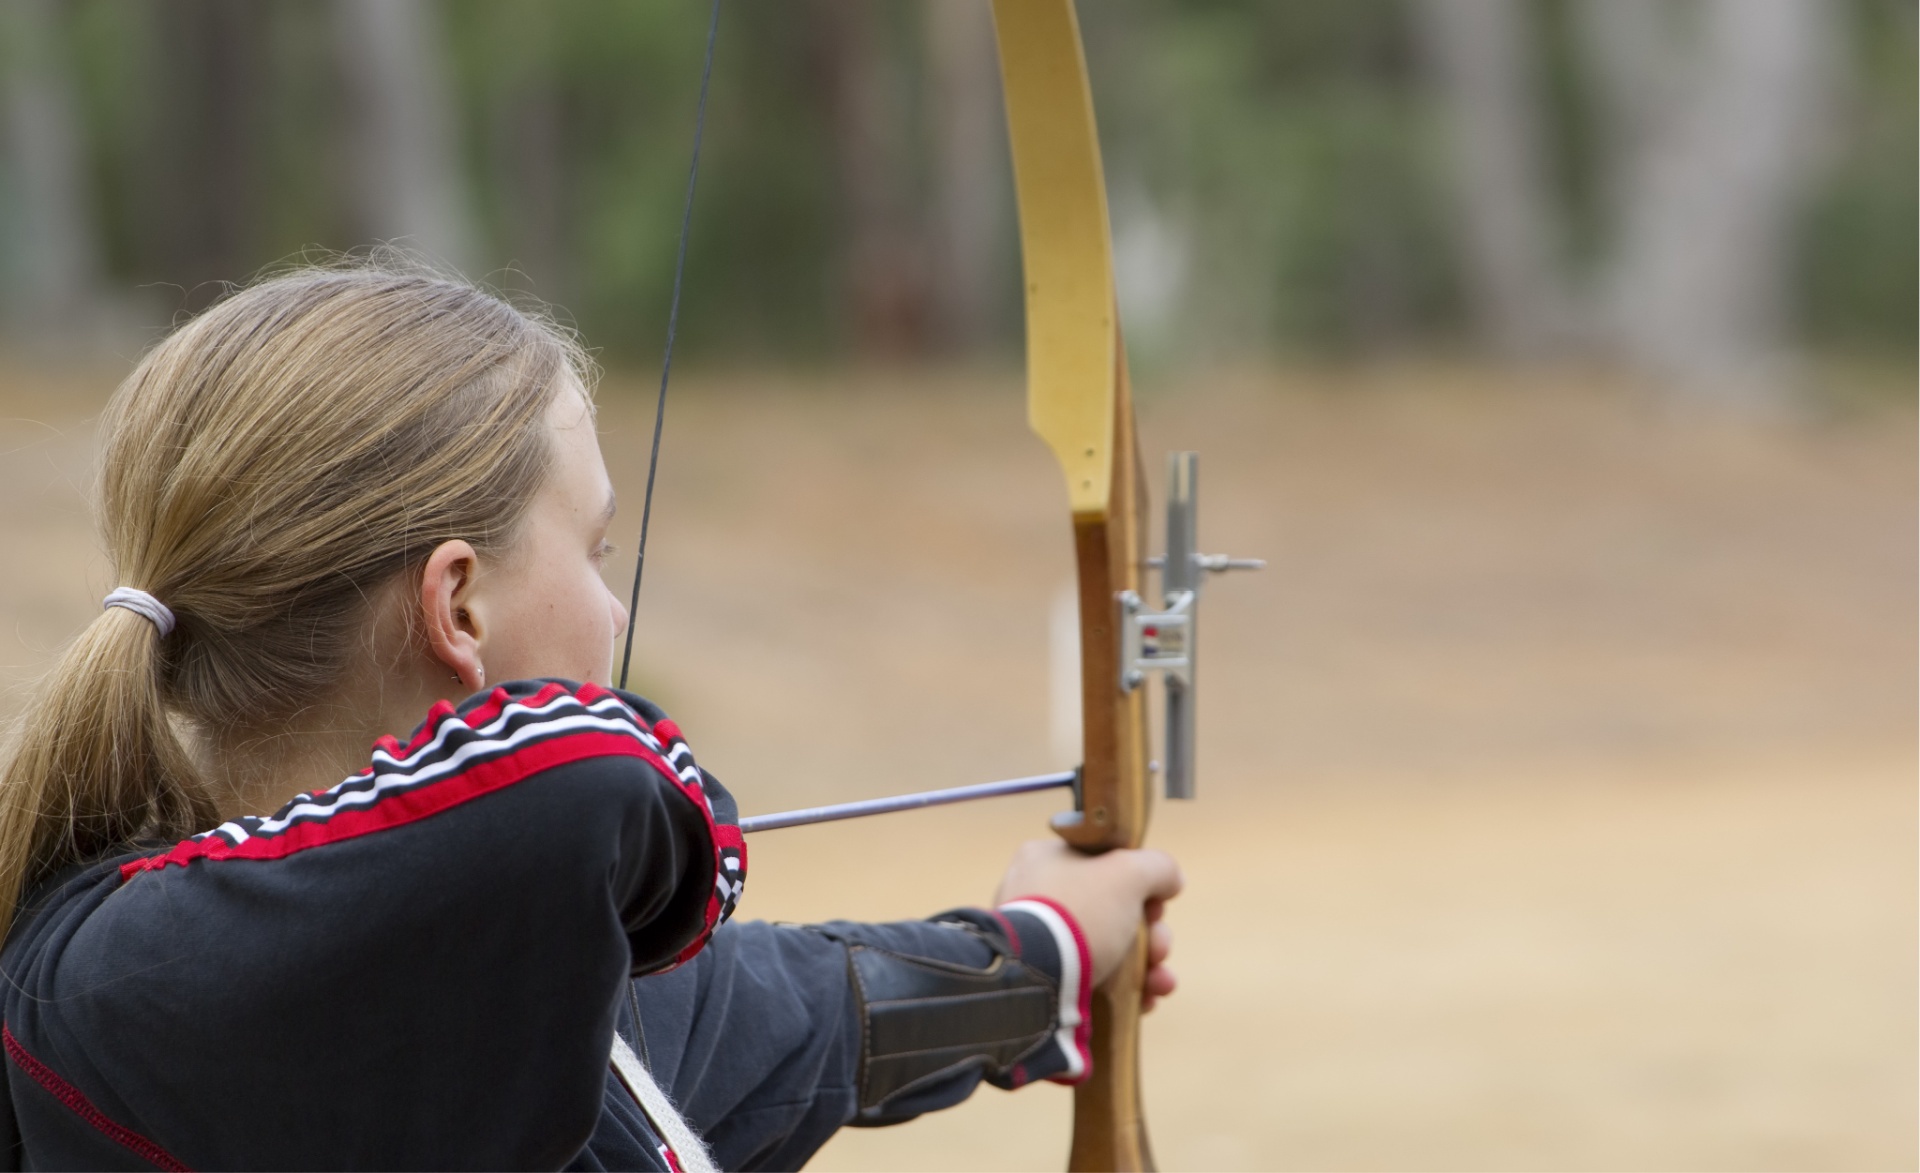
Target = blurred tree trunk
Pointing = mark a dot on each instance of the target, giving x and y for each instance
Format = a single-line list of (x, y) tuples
[(970, 178), (1714, 141), (405, 154), (533, 183), (887, 290), (1634, 53), (197, 203), (529, 173), (52, 267), (1507, 220)]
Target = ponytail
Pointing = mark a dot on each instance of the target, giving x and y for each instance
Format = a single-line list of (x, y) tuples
[(95, 762), (265, 470)]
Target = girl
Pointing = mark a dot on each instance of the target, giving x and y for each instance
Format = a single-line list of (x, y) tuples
[(332, 501)]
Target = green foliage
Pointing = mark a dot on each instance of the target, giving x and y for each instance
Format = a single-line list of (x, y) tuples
[(1859, 283), (1294, 147), (1297, 141)]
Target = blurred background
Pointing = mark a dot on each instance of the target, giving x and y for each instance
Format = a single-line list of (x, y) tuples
[(1557, 779)]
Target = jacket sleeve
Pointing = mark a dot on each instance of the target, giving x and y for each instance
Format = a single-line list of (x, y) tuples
[(778, 1035), (417, 968)]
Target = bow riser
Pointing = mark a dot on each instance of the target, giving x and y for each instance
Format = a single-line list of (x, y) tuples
[(1115, 800)]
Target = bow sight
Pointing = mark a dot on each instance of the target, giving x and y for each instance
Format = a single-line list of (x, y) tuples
[(1167, 640)]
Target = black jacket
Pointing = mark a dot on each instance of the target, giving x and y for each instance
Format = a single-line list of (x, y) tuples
[(423, 967)]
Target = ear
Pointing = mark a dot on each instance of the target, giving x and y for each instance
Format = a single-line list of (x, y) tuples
[(449, 621)]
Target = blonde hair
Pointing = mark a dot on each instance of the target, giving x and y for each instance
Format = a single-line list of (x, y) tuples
[(265, 469)]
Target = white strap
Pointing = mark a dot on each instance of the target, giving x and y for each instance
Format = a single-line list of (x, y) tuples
[(688, 1149)]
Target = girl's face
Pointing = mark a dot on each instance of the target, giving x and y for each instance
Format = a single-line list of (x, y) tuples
[(544, 610)]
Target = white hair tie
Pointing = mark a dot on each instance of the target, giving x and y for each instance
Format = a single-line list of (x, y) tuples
[(142, 604)]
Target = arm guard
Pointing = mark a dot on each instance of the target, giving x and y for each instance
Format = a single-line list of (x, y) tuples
[(930, 1026)]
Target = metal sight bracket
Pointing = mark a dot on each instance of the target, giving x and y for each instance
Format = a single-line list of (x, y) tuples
[(1165, 640)]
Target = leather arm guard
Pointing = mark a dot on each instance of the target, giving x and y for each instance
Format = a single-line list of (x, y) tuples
[(1004, 1002)]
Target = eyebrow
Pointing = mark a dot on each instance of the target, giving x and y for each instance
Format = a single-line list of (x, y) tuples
[(606, 513)]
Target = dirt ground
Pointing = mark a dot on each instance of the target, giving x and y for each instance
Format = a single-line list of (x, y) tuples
[(1557, 781)]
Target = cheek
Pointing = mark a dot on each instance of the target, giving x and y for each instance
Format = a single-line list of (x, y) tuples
[(592, 619), (594, 611), (566, 630)]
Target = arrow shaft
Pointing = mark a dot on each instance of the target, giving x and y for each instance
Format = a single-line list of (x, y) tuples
[(905, 802)]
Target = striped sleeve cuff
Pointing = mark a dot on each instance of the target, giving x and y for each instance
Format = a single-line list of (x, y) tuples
[(1045, 936)]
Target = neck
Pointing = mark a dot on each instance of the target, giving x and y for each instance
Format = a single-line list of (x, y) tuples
[(257, 772)]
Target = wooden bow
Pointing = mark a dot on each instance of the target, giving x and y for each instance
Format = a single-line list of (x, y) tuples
[(1078, 401)]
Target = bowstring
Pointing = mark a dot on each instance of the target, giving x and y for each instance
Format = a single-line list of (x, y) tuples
[(673, 325)]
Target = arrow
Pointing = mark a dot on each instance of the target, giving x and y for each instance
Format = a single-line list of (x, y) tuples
[(908, 802)]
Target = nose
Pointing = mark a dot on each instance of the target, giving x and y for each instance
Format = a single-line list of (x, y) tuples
[(619, 614)]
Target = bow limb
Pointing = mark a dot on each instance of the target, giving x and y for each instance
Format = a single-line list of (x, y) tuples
[(1078, 401)]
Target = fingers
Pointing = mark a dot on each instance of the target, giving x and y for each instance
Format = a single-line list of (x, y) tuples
[(1160, 980), (1159, 943), (1159, 983)]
